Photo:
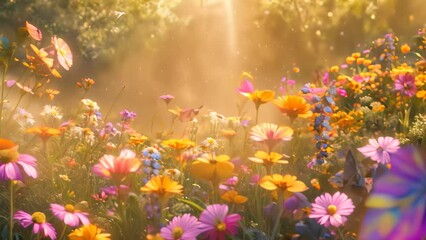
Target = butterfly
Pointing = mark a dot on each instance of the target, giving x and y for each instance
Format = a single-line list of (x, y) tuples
[(33, 31), (63, 52), (353, 180)]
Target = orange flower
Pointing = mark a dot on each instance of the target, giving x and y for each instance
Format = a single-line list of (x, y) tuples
[(405, 49), (163, 186), (178, 144), (44, 132), (215, 169), (293, 106), (88, 232), (232, 196), (270, 134)]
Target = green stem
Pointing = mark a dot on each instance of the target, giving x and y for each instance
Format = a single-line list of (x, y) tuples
[(63, 232), (257, 113), (341, 234), (113, 103), (11, 203), (280, 213), (14, 110), (3, 85)]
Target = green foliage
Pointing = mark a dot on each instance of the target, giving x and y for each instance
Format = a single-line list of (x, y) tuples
[(98, 27)]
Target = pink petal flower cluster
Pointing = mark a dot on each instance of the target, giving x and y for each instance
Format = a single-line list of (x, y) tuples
[(332, 210), (69, 214), (185, 227), (12, 163), (379, 150), (117, 168), (38, 220), (216, 224)]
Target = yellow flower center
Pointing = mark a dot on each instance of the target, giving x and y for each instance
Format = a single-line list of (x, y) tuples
[(9, 155), (38, 217), (332, 209), (177, 232), (69, 208), (221, 226)]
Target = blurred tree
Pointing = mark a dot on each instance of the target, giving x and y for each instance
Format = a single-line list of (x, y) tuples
[(98, 27)]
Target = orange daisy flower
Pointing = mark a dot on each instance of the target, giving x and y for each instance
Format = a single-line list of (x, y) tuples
[(293, 106)]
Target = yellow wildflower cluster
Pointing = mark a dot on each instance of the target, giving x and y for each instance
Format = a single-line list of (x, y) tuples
[(348, 122)]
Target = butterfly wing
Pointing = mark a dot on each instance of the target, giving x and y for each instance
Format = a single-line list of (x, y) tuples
[(33, 31)]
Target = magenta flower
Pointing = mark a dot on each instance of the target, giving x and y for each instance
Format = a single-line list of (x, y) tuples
[(397, 203), (12, 163), (246, 88), (69, 214), (127, 116), (332, 209), (378, 150), (185, 227), (404, 83), (216, 224), (38, 220)]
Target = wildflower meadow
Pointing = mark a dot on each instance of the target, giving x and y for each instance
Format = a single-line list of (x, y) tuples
[(346, 159)]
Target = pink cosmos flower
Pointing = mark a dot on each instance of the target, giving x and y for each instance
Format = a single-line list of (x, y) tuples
[(69, 214), (12, 163), (117, 168), (332, 209), (404, 83), (38, 220), (378, 150), (216, 224), (185, 227)]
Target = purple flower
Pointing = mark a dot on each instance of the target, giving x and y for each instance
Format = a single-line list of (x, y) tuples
[(404, 83), (38, 220), (167, 98), (332, 210), (216, 224), (127, 116), (69, 214), (378, 150), (397, 204), (12, 163), (185, 227)]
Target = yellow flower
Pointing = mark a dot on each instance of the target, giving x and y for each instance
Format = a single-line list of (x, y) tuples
[(267, 159), (163, 186), (285, 183), (260, 97), (293, 106), (215, 169), (88, 232), (355, 86), (421, 94), (137, 139), (178, 144), (334, 69), (232, 196)]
